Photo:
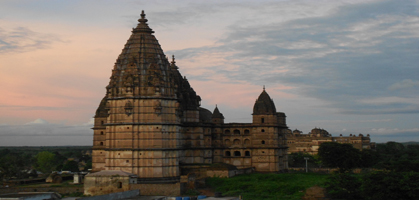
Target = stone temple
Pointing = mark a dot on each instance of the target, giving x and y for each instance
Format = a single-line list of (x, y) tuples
[(150, 123)]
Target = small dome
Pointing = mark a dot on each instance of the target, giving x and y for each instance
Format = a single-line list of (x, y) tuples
[(204, 115), (319, 131), (264, 105)]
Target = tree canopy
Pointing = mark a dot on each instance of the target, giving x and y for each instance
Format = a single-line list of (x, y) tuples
[(45, 161), (343, 156), (71, 165)]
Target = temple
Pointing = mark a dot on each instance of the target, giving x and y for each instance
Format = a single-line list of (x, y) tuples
[(150, 124)]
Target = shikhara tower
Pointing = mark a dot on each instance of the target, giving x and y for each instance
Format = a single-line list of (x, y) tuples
[(150, 122)]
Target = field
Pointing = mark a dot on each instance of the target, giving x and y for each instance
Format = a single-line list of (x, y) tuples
[(289, 186)]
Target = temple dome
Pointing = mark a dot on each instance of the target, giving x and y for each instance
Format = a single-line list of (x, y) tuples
[(204, 115), (264, 105)]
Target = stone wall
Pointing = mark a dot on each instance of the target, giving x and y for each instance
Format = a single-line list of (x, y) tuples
[(228, 173), (105, 185), (162, 189)]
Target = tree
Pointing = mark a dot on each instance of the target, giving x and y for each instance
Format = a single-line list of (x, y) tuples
[(45, 161), (390, 185), (88, 165), (369, 158), (71, 165), (343, 156), (12, 165), (297, 160), (344, 186)]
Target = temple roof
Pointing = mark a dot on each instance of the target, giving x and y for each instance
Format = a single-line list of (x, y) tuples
[(217, 114), (142, 69), (264, 105)]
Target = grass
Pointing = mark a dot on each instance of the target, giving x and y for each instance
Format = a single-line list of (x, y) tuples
[(267, 186)]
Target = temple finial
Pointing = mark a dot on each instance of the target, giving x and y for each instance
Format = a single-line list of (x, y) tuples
[(263, 87), (143, 19), (172, 64)]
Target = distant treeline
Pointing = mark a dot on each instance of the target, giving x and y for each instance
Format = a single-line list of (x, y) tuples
[(26, 162), (390, 156)]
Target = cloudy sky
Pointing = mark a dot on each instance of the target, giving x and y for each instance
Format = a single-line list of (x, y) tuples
[(349, 67)]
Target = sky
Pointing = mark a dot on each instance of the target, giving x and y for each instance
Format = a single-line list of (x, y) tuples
[(348, 67)]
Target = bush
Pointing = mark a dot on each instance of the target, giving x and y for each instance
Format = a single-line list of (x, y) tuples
[(390, 185), (344, 186), (267, 186), (374, 186)]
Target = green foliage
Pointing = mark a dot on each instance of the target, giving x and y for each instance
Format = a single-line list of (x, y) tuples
[(45, 161), (11, 165), (397, 157), (369, 158), (380, 185), (344, 186), (71, 165), (297, 160), (343, 156), (391, 185), (88, 165), (267, 186)]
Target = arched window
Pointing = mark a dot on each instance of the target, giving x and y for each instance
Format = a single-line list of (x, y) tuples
[(101, 132), (246, 142), (262, 120), (263, 130), (236, 142), (101, 143), (119, 184), (227, 132), (237, 153), (247, 153), (246, 131), (227, 142), (236, 132), (263, 141), (228, 153)]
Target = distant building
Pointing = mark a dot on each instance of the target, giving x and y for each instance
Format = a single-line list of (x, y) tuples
[(310, 143)]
